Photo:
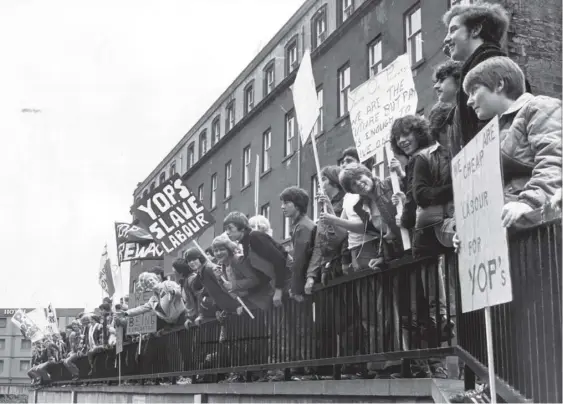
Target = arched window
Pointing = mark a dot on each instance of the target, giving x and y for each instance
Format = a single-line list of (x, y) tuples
[(172, 168), (162, 178), (202, 143)]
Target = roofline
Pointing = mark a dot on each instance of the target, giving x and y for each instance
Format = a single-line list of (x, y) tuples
[(270, 46)]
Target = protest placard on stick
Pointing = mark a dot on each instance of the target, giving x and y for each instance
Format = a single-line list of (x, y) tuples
[(144, 323), (173, 215)]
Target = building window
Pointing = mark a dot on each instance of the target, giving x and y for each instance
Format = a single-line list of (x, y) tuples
[(200, 193), (172, 168), (215, 130), (345, 9), (413, 34), (291, 56), (1, 365), (230, 119), (289, 132), (315, 193), (246, 166), (2, 344), (213, 190), (145, 193), (343, 89), (375, 57), (228, 175), (266, 146), (249, 98), (286, 227), (3, 322), (265, 211), (25, 344), (161, 178), (153, 186), (318, 27), (269, 77), (320, 121), (461, 2), (24, 366), (202, 144), (191, 155)]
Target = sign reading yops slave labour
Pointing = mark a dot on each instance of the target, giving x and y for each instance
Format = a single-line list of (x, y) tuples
[(173, 215), (135, 243), (484, 270), (377, 103)]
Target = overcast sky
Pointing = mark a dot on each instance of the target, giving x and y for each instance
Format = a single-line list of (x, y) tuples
[(114, 85)]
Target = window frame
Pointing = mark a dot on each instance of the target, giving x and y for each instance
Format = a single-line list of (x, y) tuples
[(270, 67), (249, 89), (412, 37), (342, 96), (172, 169), (22, 343), (265, 209), (266, 162), (162, 178), (27, 367), (378, 40), (191, 155), (215, 130), (213, 194), (288, 141), (319, 127), (246, 165), (201, 192), (3, 342), (293, 43), (228, 191), (230, 118), (203, 140), (153, 186), (342, 12), (317, 38)]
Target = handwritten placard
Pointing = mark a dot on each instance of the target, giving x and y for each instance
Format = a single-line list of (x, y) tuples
[(484, 270), (145, 323), (376, 104)]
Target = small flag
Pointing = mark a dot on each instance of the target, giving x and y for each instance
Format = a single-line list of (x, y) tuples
[(105, 276)]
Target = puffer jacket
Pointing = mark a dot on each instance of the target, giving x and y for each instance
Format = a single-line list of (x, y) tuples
[(530, 138)]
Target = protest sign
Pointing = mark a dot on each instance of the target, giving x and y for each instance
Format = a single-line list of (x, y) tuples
[(173, 215), (118, 339), (27, 326), (52, 322), (145, 323), (376, 104), (135, 243), (478, 196)]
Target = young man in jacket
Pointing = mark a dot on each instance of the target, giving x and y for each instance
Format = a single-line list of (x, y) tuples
[(474, 34)]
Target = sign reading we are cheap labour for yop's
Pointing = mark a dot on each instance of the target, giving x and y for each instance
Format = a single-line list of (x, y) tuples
[(173, 215), (484, 270)]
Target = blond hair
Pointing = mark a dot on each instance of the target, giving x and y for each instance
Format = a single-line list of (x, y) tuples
[(260, 223)]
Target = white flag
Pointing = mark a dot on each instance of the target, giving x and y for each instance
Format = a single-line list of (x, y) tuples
[(305, 97)]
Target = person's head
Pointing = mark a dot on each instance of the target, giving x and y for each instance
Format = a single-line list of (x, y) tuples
[(356, 179), (409, 134), (294, 202), (223, 248), (446, 80), (350, 156), (329, 180), (159, 272), (468, 27), (493, 85), (235, 224), (56, 337), (438, 118), (195, 258), (148, 281), (85, 320), (260, 223)]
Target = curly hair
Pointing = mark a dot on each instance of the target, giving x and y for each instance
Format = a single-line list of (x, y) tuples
[(349, 175), (438, 118), (223, 241), (450, 68), (261, 223), (417, 125), (297, 196), (493, 19)]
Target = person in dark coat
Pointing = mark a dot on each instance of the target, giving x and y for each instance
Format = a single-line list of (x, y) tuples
[(474, 34)]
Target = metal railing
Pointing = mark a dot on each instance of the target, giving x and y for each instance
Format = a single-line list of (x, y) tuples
[(396, 316)]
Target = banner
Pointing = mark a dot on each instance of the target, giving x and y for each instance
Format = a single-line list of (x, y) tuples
[(52, 322), (135, 243), (173, 215), (484, 271), (376, 104), (27, 326), (145, 323), (105, 276)]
